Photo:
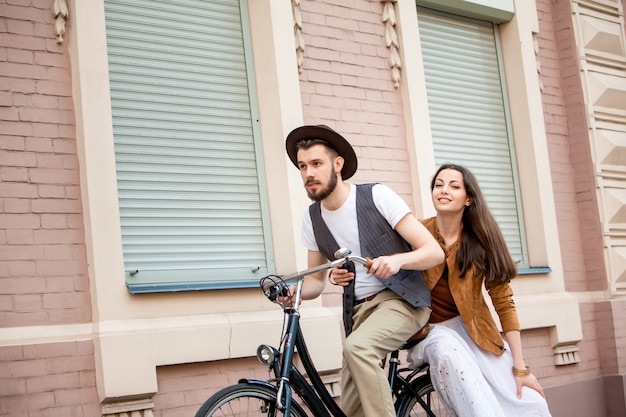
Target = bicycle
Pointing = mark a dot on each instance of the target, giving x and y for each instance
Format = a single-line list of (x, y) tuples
[(412, 389)]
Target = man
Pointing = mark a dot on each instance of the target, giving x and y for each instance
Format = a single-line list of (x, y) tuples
[(391, 302)]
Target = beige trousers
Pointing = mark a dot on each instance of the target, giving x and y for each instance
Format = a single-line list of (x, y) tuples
[(380, 326)]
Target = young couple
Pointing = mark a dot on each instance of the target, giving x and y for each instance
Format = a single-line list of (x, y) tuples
[(474, 369)]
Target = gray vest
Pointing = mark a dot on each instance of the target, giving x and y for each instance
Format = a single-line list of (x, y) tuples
[(376, 238)]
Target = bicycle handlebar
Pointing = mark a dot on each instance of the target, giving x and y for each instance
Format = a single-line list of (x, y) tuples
[(274, 288), (343, 255)]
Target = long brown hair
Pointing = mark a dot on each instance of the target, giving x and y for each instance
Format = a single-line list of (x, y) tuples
[(482, 242)]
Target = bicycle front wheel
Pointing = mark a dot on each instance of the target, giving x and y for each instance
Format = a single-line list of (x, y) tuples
[(432, 404), (245, 400)]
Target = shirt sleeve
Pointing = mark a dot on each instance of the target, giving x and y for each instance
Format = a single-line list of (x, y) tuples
[(502, 298), (307, 238), (389, 204)]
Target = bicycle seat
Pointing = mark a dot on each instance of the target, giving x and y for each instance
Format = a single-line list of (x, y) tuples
[(416, 338)]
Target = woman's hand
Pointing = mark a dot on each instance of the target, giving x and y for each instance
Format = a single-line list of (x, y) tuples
[(529, 381)]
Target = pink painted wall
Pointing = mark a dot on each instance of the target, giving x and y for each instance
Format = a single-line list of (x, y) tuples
[(43, 269), (346, 83), (580, 231)]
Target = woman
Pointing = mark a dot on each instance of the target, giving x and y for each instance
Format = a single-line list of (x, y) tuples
[(475, 372)]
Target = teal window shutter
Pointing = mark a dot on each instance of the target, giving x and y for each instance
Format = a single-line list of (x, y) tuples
[(468, 113), (192, 201)]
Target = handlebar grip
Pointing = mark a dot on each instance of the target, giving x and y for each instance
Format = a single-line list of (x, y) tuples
[(369, 263)]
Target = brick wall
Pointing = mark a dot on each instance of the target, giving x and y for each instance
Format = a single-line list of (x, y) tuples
[(43, 270), (580, 232), (184, 388), (346, 83), (48, 380)]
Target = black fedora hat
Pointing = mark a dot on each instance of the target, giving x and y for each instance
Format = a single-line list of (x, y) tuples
[(328, 135)]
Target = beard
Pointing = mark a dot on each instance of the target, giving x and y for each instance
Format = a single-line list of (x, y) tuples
[(324, 192)]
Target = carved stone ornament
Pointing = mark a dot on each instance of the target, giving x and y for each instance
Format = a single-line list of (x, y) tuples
[(297, 33), (391, 39), (60, 13)]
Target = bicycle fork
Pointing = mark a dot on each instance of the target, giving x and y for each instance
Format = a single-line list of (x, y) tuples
[(284, 389)]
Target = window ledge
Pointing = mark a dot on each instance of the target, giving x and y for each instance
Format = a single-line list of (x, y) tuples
[(534, 270)]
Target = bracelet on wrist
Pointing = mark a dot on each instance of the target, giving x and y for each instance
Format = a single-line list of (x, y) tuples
[(330, 278), (521, 372)]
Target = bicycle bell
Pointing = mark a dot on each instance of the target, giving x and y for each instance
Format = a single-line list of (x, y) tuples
[(342, 253)]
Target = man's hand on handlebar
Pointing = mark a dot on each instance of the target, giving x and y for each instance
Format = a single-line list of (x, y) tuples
[(384, 267), (339, 275), (381, 267), (288, 296)]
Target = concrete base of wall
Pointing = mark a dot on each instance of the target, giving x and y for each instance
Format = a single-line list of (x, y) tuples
[(598, 397)]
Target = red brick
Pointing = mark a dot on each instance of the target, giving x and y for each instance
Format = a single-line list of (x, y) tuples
[(46, 115), (56, 206), (20, 237), (18, 11), (18, 403), (70, 364), (75, 396), (17, 159), (16, 85), (11, 143), (14, 205), (20, 56), (45, 102), (9, 113), (57, 88), (65, 301), (14, 174), (45, 175), (18, 221), (56, 382), (50, 59), (72, 410), (21, 269), (46, 130), (25, 368), (65, 146), (28, 303), (39, 144), (10, 353), (61, 268), (60, 284), (23, 285), (6, 303), (51, 191), (69, 316)]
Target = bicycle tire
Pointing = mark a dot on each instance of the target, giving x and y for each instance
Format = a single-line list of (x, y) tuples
[(245, 400), (410, 406)]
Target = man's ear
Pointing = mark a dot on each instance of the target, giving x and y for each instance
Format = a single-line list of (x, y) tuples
[(339, 161)]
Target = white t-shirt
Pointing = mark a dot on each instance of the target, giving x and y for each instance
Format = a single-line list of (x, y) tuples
[(342, 224)]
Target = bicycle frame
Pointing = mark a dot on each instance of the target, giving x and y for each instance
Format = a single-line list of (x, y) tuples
[(398, 383), (288, 377)]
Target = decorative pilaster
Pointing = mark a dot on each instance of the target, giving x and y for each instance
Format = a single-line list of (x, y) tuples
[(391, 39), (60, 13), (297, 32), (599, 28)]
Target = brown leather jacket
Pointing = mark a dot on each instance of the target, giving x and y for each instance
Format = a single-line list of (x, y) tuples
[(470, 301)]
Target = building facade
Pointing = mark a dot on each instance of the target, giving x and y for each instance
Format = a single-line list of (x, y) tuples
[(145, 188)]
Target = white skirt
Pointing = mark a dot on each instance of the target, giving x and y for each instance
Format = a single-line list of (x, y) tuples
[(470, 380)]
